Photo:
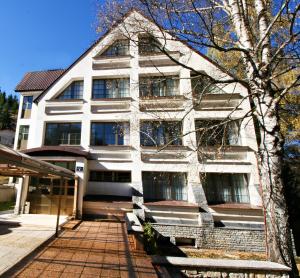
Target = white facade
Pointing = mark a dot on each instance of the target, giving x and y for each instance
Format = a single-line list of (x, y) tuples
[(132, 156)]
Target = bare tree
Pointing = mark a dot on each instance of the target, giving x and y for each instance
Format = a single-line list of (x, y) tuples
[(263, 37)]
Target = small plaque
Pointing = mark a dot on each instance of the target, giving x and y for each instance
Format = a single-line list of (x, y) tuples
[(79, 169)]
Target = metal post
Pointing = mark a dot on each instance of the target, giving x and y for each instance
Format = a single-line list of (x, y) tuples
[(59, 204)]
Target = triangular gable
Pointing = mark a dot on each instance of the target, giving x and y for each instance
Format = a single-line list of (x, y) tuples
[(94, 47)]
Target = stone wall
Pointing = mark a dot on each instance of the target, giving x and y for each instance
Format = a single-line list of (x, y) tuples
[(218, 268), (216, 238), (225, 273)]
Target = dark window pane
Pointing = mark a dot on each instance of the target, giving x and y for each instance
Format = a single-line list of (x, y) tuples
[(164, 186), (160, 133), (217, 133), (73, 91), (110, 176), (103, 134), (148, 45), (110, 88), (202, 85), (118, 48), (225, 188), (26, 107), (62, 134), (159, 86)]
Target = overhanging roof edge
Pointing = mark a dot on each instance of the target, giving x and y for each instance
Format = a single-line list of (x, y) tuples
[(18, 159)]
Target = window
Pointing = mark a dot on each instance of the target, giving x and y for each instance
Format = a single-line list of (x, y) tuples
[(26, 107), (202, 85), (23, 137), (70, 165), (164, 186), (148, 45), (226, 188), (216, 133), (103, 134), (118, 48), (73, 91), (160, 133), (62, 134), (110, 88), (43, 194), (158, 86), (110, 176)]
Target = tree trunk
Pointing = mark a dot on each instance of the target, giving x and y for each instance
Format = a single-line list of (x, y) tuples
[(278, 234)]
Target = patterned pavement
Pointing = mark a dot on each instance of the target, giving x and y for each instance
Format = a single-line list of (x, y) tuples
[(93, 249)]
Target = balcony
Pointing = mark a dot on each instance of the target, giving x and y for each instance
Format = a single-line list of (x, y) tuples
[(111, 153), (171, 154), (218, 102), (63, 107), (111, 105), (167, 103), (226, 154), (158, 59), (118, 62)]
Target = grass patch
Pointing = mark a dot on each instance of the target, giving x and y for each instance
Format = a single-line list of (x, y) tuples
[(7, 205), (223, 254)]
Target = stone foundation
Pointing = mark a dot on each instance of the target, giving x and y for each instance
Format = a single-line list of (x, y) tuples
[(219, 268), (216, 238)]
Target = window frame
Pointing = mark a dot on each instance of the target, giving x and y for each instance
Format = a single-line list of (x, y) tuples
[(117, 49), (114, 92), (164, 188), (118, 138), (148, 45), (214, 137), (22, 133), (72, 92), (226, 182), (99, 176), (26, 106), (63, 131), (157, 135), (157, 86)]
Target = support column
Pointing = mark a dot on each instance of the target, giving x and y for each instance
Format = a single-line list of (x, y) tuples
[(136, 175), (22, 189), (75, 201), (195, 190)]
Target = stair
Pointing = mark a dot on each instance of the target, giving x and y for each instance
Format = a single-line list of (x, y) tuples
[(108, 210)]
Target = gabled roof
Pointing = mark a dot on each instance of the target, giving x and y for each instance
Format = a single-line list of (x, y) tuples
[(63, 72), (38, 80)]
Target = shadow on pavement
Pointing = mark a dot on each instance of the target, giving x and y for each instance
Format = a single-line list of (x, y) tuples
[(6, 226)]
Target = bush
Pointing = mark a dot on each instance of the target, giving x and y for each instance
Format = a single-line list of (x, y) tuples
[(149, 239)]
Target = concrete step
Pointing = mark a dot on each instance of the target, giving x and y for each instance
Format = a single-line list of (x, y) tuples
[(106, 205), (71, 225)]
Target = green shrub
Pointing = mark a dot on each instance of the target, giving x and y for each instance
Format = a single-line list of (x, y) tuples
[(149, 239)]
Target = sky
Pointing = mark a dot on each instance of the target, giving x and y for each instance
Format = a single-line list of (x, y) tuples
[(43, 34)]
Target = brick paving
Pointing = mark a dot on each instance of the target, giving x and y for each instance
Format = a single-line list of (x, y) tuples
[(93, 249)]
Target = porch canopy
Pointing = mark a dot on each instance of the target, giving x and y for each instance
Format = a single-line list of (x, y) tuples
[(16, 164)]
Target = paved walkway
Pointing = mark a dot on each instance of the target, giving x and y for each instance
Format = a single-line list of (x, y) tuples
[(21, 234), (93, 249)]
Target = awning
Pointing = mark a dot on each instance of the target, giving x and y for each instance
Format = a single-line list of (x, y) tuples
[(15, 164), (57, 151)]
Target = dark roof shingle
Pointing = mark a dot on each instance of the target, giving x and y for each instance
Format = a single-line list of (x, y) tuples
[(38, 80)]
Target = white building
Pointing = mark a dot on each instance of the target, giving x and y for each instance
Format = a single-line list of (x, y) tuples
[(108, 117)]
